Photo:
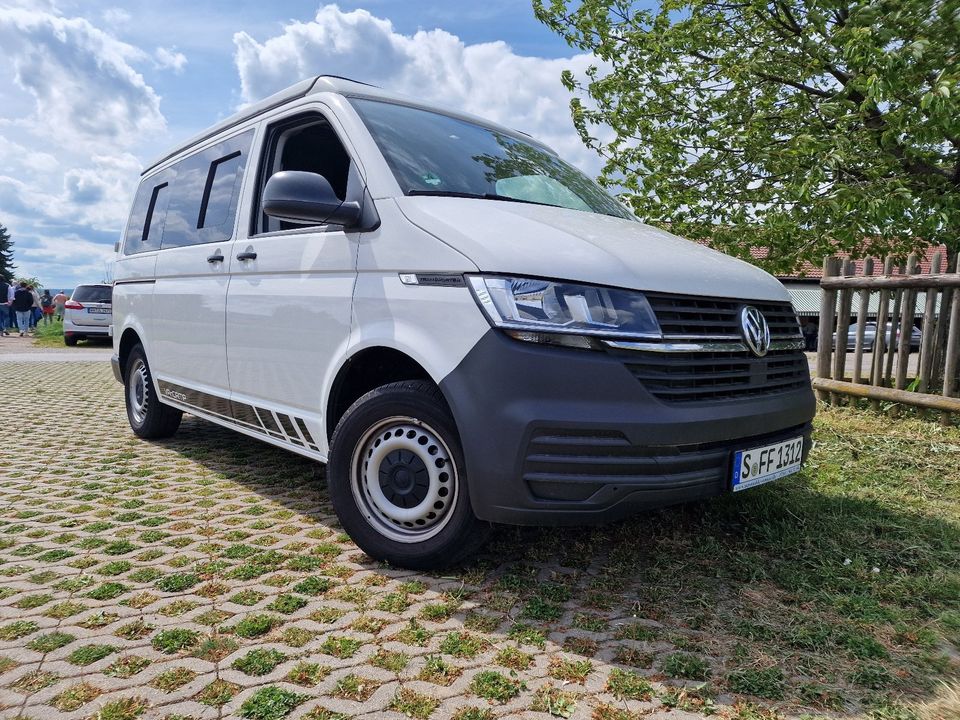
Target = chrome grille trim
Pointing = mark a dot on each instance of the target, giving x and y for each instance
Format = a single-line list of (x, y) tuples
[(685, 347)]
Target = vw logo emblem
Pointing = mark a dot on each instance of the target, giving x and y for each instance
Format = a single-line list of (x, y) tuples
[(756, 332)]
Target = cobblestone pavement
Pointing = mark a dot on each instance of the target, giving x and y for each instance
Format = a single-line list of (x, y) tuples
[(14, 348), (206, 577)]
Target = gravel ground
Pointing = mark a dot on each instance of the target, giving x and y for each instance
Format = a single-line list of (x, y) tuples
[(206, 577)]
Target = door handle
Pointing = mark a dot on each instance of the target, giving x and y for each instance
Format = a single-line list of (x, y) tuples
[(247, 256), (215, 258)]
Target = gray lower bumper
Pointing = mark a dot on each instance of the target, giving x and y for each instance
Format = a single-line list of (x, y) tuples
[(115, 364), (558, 436)]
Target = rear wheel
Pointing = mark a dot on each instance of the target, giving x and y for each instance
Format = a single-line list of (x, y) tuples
[(70, 340), (149, 418), (397, 478)]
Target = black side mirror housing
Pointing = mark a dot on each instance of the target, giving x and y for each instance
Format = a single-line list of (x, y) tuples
[(307, 197)]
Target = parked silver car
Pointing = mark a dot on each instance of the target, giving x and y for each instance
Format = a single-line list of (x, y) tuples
[(870, 336), (88, 313)]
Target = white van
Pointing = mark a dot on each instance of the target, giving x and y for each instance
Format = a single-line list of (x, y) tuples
[(467, 329)]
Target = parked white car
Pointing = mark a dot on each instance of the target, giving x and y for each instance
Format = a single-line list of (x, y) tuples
[(467, 329), (88, 313)]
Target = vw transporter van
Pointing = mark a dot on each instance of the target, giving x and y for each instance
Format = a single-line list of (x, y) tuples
[(463, 326)]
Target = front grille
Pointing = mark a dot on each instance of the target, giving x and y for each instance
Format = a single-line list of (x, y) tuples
[(711, 376), (572, 464), (701, 318), (708, 360)]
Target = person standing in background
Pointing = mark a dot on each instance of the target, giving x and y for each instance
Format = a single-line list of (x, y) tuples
[(59, 300), (4, 305), (23, 306), (9, 319), (37, 309), (46, 307)]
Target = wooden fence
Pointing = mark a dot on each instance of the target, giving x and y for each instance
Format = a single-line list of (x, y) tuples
[(928, 379)]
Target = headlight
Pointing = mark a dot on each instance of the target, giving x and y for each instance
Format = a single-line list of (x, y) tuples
[(553, 311)]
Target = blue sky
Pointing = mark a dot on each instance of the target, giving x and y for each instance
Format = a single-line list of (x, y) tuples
[(91, 91)]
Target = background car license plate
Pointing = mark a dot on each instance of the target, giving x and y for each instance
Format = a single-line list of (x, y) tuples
[(98, 311), (759, 465)]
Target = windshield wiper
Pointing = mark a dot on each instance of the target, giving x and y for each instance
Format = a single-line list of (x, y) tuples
[(476, 196)]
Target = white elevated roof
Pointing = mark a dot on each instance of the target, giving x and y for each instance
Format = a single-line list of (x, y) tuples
[(329, 84)]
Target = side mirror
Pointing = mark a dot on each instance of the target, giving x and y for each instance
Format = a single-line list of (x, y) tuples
[(299, 196)]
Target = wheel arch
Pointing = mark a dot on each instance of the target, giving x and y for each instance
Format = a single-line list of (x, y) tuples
[(366, 369), (128, 340)]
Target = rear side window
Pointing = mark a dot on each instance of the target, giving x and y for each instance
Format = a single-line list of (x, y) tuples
[(145, 226), (205, 194), (93, 294)]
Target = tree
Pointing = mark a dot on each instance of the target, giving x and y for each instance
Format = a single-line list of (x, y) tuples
[(6, 255), (800, 125)]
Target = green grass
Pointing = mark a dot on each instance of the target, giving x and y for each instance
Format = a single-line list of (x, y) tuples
[(75, 697), (255, 626), (554, 701), (89, 654), (491, 685), (175, 640), (354, 687), (766, 683), (436, 670), (218, 693), (308, 674), (628, 685), (17, 629), (127, 666), (688, 667), (259, 662), (463, 644), (340, 647), (50, 642), (270, 703), (123, 709), (287, 604), (48, 334), (413, 704), (172, 679)]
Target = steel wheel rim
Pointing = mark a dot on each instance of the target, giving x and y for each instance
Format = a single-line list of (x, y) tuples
[(404, 479), (138, 391)]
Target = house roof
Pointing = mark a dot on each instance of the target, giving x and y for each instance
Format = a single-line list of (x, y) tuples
[(809, 271)]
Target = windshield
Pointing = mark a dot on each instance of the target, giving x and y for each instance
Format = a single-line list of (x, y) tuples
[(435, 154)]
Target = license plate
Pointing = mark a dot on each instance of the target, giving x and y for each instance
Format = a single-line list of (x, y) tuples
[(762, 464), (98, 311)]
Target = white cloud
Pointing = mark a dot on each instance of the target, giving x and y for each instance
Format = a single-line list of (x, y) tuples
[(74, 107), (486, 79), (116, 17), (84, 87), (170, 59)]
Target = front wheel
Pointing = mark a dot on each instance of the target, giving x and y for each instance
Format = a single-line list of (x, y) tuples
[(149, 418), (397, 479)]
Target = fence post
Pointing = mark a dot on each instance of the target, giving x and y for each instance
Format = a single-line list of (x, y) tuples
[(891, 342), (879, 341), (951, 351), (862, 322), (843, 326), (927, 340), (906, 328), (828, 306)]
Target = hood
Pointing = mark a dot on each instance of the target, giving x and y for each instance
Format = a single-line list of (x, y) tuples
[(540, 241)]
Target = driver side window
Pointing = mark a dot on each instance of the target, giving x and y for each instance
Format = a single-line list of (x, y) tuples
[(307, 144)]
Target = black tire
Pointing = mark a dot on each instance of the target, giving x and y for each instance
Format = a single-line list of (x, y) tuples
[(388, 415), (70, 340), (149, 418)]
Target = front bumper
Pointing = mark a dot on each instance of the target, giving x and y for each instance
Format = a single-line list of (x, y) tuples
[(115, 365), (559, 436)]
